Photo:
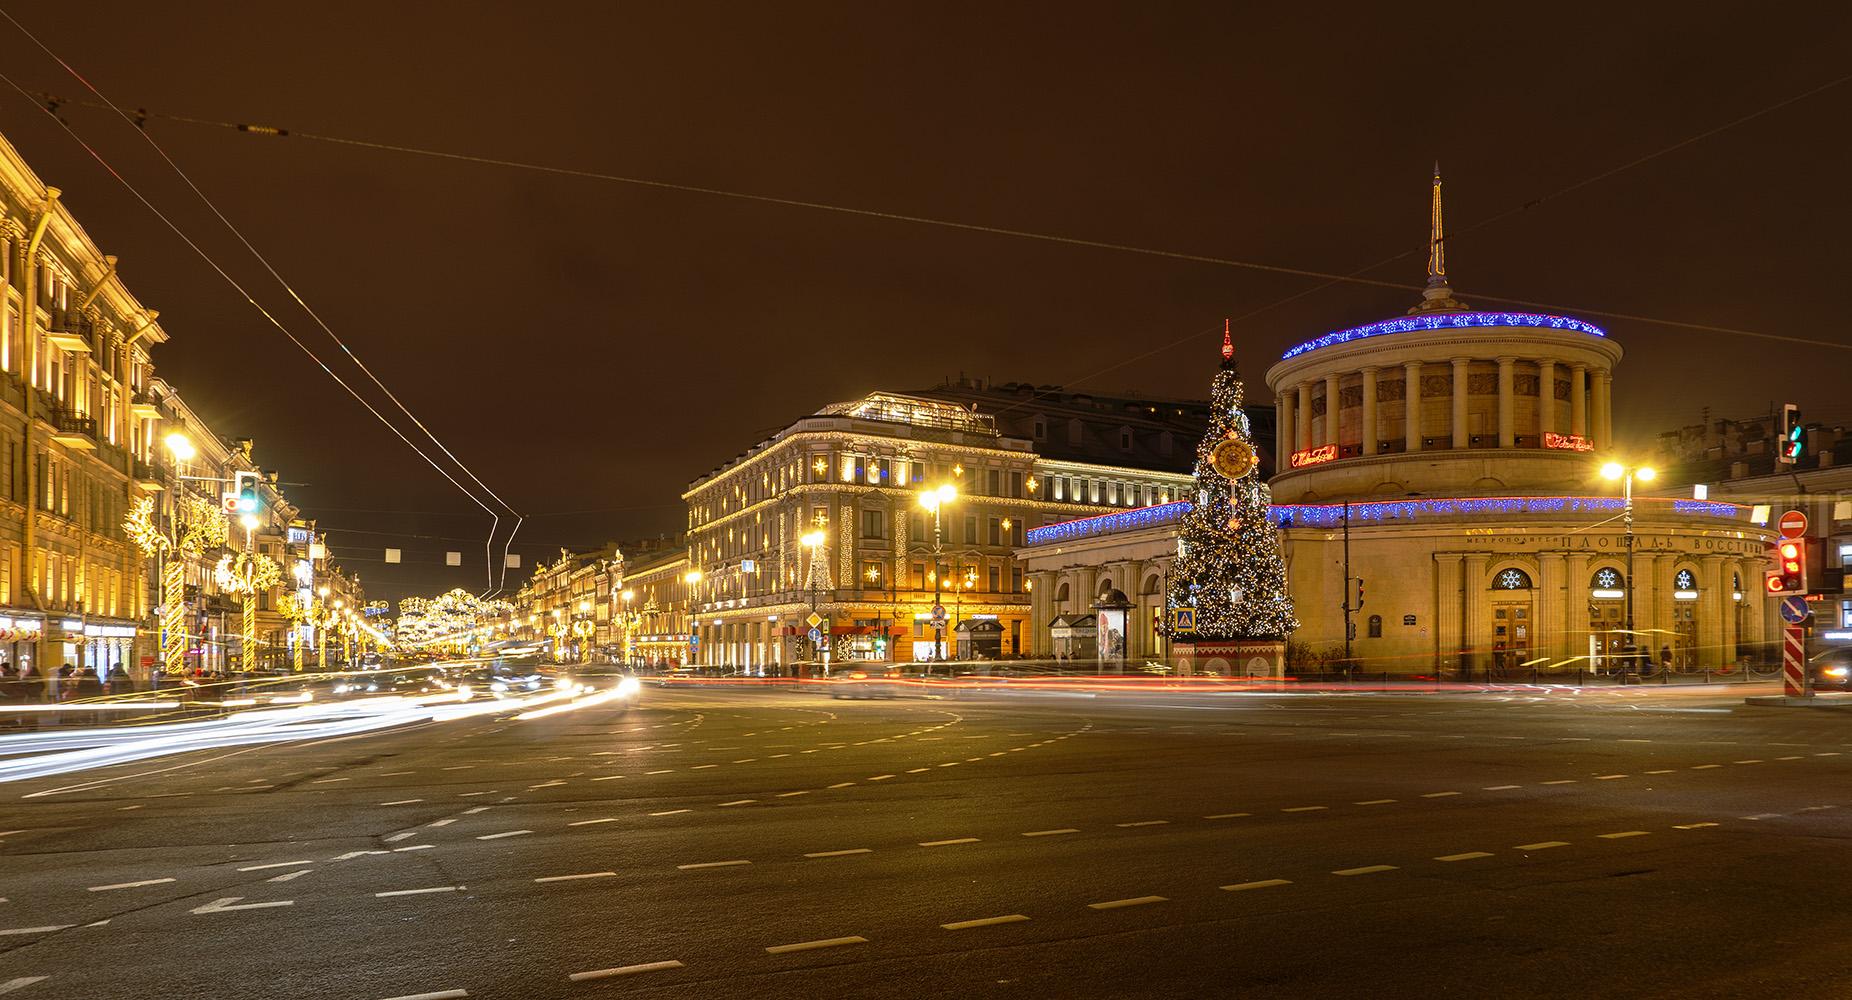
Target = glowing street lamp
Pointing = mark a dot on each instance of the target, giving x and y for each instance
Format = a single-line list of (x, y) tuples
[(1626, 473), (932, 500)]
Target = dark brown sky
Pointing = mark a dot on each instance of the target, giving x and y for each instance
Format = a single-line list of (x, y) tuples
[(590, 345)]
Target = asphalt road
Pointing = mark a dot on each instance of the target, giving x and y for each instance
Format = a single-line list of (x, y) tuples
[(731, 843)]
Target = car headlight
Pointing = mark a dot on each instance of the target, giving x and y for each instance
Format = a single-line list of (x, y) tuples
[(1835, 671), (628, 686), (498, 687)]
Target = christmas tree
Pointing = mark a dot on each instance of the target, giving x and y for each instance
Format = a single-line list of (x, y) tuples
[(1228, 567)]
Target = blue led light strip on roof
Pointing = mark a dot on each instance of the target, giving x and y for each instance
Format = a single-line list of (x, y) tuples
[(1326, 515), (1442, 321)]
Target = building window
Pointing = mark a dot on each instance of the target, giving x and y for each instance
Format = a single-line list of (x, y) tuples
[(996, 578), (996, 531), (971, 530), (1016, 580), (1016, 484), (1606, 578), (918, 471), (872, 577), (1512, 579), (995, 481), (874, 524), (1376, 626), (1125, 440), (919, 576), (1041, 430), (1685, 580)]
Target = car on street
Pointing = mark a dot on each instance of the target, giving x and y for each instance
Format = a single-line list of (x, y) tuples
[(610, 677), (1831, 670), (860, 683)]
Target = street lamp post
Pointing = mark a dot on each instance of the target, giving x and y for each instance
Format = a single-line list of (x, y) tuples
[(693, 577), (932, 500), (1626, 473)]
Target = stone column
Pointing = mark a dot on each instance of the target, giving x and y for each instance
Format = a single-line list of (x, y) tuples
[(1371, 433), (1652, 597), (1283, 430), (1302, 433), (1714, 598), (1411, 402), (1604, 408), (1726, 655), (1546, 399), (1478, 631), (1578, 400), (1549, 642), (1448, 639), (1756, 614), (1459, 401), (1507, 403), (1331, 409), (1575, 605)]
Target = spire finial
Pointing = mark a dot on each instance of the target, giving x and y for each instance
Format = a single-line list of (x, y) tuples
[(1438, 295), (1437, 253), (1228, 344)]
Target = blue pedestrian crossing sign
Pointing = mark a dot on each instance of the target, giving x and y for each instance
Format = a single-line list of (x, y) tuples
[(1184, 619)]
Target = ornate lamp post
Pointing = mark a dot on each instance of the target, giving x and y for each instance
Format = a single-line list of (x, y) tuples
[(932, 500), (193, 526), (1626, 473)]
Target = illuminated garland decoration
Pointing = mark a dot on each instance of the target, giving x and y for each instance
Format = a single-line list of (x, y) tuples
[(139, 524), (1442, 321), (428, 619), (246, 574), (1327, 515)]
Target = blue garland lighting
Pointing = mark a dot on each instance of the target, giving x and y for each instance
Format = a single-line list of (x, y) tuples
[(1330, 515), (1441, 321)]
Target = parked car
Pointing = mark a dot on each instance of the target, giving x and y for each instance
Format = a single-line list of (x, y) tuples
[(1831, 670)]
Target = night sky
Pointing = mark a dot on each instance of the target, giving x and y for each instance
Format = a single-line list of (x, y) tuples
[(588, 347)]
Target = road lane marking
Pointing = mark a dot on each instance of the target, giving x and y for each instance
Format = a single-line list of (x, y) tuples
[(498, 836), (738, 802), (1365, 870), (713, 864), (39, 930), (13, 984), (671, 812), (129, 885), (589, 822), (1747, 762), (1228, 815), (1301, 809), (1777, 758), (985, 922), (1693, 826), (350, 854), (401, 802), (1049, 833), (279, 864), (478, 809), (394, 774), (701, 767), (952, 764), (1148, 822), (844, 784), (780, 949), (919, 769), (1468, 856), (290, 875), (1608, 777), (786, 795), (225, 905), (324, 781), (442, 822), (669, 771), (626, 970), (1262, 884), (439, 995), (1705, 767), (745, 760), (1539, 847), (395, 838), (1625, 833), (1669, 770), (1135, 901), (419, 892), (1437, 795), (608, 777), (835, 854), (569, 878), (1499, 788), (459, 767), (1373, 802), (1561, 781), (942, 843)]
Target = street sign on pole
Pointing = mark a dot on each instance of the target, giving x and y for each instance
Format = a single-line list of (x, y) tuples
[(816, 635), (1793, 524), (1794, 610)]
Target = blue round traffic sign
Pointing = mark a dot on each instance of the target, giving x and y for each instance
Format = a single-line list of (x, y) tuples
[(816, 635), (1794, 610)]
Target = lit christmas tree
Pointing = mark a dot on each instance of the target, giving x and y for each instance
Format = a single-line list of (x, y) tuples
[(1228, 568)]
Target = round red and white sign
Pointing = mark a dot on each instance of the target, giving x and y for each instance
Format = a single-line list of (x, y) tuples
[(1793, 524)]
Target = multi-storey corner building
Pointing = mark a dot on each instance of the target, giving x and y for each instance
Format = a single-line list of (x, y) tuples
[(825, 519), (76, 435)]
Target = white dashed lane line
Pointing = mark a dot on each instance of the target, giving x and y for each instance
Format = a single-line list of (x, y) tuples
[(1365, 870), (780, 949), (13, 984), (1049, 833), (714, 864), (1468, 856), (585, 822), (1542, 846), (984, 922), (225, 905), (129, 885), (439, 995), (1626, 833), (625, 970), (1135, 901), (671, 812), (275, 864), (417, 892), (738, 802), (1262, 884), (37, 930), (837, 854), (570, 878), (498, 836), (943, 843)]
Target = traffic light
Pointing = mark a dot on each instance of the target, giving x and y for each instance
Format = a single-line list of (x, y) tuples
[(1793, 435), (245, 485), (1790, 573), (1360, 592)]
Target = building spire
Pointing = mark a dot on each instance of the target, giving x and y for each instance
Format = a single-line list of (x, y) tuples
[(1438, 295)]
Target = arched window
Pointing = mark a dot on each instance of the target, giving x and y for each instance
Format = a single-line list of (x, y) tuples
[(1685, 579), (1606, 578), (1376, 626), (1511, 579)]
